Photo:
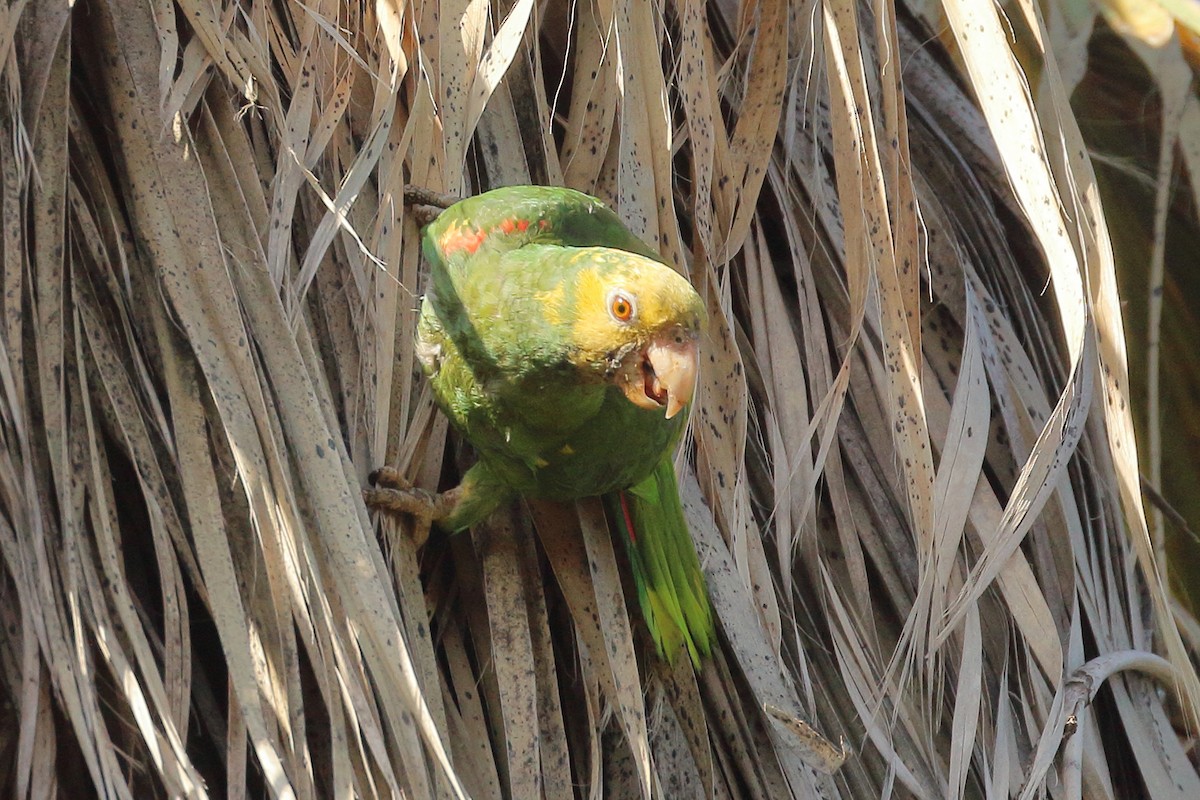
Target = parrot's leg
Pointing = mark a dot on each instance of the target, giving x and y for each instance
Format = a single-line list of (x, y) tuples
[(453, 510), (392, 494), (420, 503)]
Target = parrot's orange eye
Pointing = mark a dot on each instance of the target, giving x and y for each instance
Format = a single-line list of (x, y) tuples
[(621, 307)]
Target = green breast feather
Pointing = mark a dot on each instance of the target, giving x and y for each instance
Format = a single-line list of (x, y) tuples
[(565, 352)]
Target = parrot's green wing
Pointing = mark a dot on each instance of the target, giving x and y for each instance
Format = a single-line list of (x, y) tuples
[(513, 216)]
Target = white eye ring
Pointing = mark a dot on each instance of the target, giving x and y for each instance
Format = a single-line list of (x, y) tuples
[(622, 306)]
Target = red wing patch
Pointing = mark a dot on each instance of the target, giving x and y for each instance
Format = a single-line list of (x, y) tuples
[(462, 237), (628, 516)]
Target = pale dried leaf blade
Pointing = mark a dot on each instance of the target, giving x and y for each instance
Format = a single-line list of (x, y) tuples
[(618, 637), (512, 652)]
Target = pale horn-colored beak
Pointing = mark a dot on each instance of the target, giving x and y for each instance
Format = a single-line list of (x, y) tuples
[(675, 362)]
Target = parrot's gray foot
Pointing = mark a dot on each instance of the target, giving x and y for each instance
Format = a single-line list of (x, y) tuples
[(391, 493)]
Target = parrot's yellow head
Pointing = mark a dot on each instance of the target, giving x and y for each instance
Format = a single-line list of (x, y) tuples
[(638, 322)]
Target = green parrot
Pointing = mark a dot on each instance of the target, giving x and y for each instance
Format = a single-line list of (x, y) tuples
[(566, 353)]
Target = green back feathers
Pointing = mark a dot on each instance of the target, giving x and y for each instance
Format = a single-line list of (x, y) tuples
[(513, 216)]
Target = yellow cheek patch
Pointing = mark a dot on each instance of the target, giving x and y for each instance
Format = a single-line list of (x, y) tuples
[(593, 331)]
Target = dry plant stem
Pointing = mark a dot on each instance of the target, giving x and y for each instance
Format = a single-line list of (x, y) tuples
[(1077, 694), (829, 757), (425, 204), (1169, 511), (420, 196)]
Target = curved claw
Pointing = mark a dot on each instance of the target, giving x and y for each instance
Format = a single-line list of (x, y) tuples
[(389, 477)]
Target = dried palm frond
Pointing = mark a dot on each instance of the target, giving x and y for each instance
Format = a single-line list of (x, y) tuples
[(912, 476)]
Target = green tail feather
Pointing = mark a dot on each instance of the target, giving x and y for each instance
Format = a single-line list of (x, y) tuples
[(666, 571)]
